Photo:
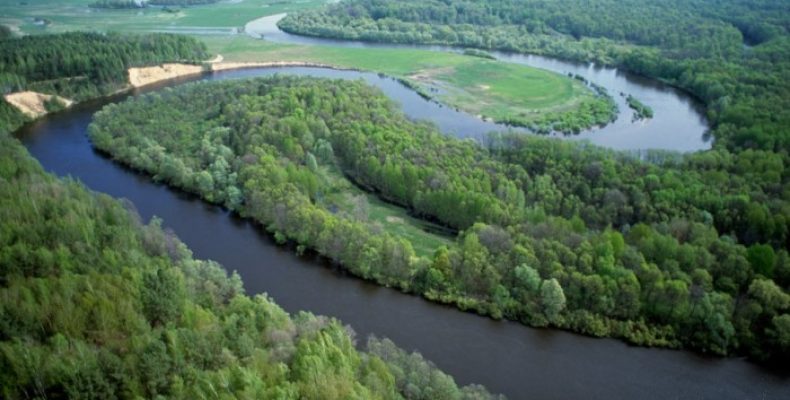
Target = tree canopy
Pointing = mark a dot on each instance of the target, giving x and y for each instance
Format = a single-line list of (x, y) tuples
[(732, 54), (662, 251)]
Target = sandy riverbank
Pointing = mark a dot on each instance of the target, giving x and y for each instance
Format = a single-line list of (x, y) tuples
[(32, 104), (147, 75)]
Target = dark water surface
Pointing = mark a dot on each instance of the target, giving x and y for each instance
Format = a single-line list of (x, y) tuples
[(509, 358), (679, 123)]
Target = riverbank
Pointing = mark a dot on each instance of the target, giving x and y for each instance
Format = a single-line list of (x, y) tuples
[(105, 317), (34, 104), (506, 93), (531, 363), (144, 76)]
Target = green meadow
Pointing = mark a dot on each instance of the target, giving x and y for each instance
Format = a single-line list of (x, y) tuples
[(67, 15)]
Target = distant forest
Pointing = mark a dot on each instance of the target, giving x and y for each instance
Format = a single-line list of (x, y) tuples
[(732, 54), (81, 65)]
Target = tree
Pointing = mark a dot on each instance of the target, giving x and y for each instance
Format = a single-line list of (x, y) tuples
[(761, 257), (552, 298), (527, 278), (163, 295), (311, 162)]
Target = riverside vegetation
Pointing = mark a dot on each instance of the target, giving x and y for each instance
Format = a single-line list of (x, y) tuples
[(82, 65), (96, 304), (551, 232), (733, 54), (518, 95)]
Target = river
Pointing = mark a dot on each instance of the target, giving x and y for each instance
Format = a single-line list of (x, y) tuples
[(679, 123), (518, 361)]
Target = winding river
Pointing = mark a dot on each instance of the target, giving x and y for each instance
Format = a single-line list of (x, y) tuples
[(509, 358), (679, 122)]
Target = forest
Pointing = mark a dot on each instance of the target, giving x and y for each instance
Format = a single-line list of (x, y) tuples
[(677, 251), (96, 303), (83, 65), (734, 55)]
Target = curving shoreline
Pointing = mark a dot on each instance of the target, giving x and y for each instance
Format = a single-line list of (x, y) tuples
[(680, 122), (144, 76), (32, 104), (523, 361)]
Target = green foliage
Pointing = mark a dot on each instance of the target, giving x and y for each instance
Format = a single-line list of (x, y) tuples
[(10, 117), (732, 54), (83, 65), (552, 232), (162, 296), (96, 305), (762, 257), (418, 378), (641, 110), (552, 298)]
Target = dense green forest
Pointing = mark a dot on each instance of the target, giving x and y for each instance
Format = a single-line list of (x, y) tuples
[(671, 251), (83, 65), (96, 304), (732, 54)]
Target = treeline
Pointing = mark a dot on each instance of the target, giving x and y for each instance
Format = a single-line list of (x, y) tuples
[(124, 4), (731, 54), (674, 251), (96, 304), (118, 4), (180, 2), (83, 65)]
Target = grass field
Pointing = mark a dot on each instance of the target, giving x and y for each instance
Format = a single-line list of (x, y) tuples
[(499, 90), (67, 15), (344, 197)]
